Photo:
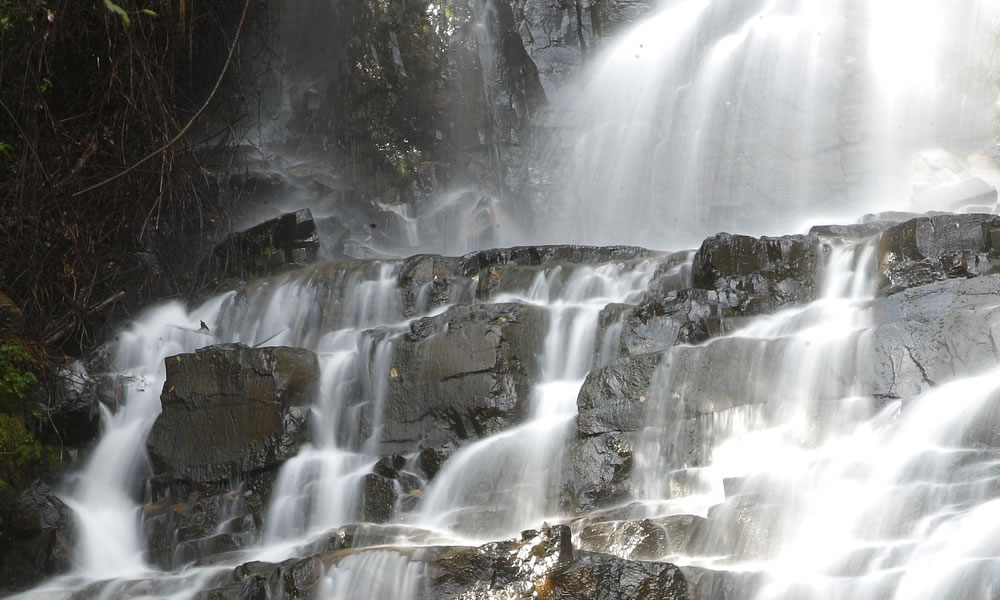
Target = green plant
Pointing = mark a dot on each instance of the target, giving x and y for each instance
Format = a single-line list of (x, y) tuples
[(118, 10), (6, 150), (16, 377)]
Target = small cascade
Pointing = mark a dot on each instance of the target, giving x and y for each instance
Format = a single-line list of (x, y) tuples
[(784, 371), (509, 482), (383, 574), (103, 494)]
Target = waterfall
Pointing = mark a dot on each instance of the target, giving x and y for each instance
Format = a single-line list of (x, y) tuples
[(770, 436)]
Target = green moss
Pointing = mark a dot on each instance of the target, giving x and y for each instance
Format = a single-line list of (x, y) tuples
[(16, 378)]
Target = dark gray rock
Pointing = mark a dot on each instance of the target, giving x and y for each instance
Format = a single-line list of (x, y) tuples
[(767, 272), (180, 531), (598, 472), (928, 249), (476, 262), (378, 498), (252, 403), (38, 540), (613, 398), (269, 247), (461, 375), (428, 281), (682, 317)]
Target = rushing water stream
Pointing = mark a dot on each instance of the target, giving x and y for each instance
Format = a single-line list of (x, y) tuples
[(707, 114)]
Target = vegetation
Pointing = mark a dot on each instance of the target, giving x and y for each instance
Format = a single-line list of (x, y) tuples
[(100, 190)]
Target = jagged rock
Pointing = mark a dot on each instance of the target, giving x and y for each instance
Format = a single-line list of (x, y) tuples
[(598, 472), (928, 249), (38, 540), (767, 272), (613, 398), (476, 262), (252, 403), (605, 578), (683, 317), (266, 248), (461, 375)]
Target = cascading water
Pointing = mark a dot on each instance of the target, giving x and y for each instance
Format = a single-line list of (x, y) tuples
[(708, 114), (755, 115), (516, 473)]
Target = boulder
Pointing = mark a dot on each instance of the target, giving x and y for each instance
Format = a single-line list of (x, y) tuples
[(461, 375), (706, 584), (38, 539), (928, 249), (767, 272), (252, 403), (267, 248)]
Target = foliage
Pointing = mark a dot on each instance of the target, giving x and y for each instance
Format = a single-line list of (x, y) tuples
[(118, 10), (16, 377), (82, 98)]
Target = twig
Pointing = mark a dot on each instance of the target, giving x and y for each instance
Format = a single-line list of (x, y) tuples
[(187, 127)]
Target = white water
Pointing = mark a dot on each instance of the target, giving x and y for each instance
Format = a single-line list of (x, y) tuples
[(825, 102), (755, 115), (515, 475)]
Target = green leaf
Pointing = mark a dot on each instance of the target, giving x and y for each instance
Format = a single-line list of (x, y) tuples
[(118, 11), (151, 13)]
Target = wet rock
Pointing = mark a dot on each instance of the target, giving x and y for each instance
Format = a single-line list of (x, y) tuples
[(428, 281), (706, 584), (598, 472), (855, 231), (682, 317), (633, 540), (741, 528), (461, 375), (606, 578), (378, 498), (931, 334), (767, 272), (476, 262), (38, 540), (928, 249), (251, 402), (266, 248), (613, 398), (184, 530)]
